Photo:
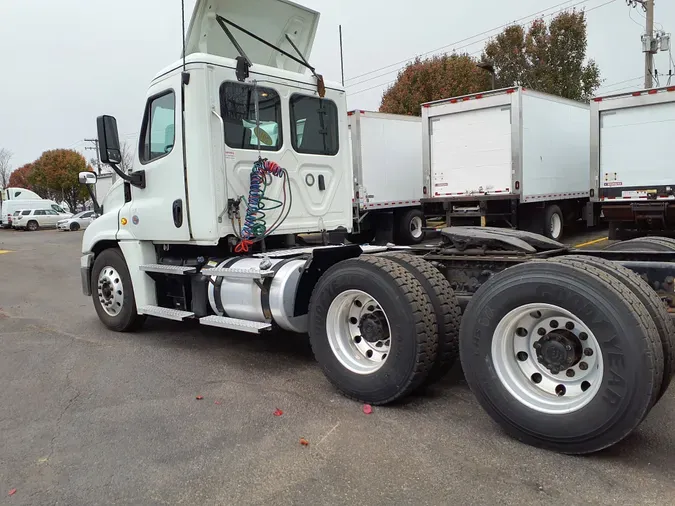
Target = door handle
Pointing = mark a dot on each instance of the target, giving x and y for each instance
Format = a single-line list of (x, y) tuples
[(178, 213), (322, 182)]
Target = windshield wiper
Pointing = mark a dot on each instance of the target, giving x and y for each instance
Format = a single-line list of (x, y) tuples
[(244, 62)]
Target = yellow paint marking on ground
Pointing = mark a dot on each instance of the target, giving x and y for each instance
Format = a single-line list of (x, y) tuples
[(590, 243), (3, 251)]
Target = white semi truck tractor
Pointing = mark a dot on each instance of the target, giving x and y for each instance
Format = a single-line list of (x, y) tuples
[(243, 149)]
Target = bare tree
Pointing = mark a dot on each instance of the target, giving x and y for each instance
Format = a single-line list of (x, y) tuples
[(127, 162), (5, 167)]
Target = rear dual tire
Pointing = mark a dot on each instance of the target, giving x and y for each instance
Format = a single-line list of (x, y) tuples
[(362, 309), (500, 343)]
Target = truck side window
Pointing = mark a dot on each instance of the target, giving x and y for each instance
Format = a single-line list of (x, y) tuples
[(314, 125), (237, 107), (159, 127)]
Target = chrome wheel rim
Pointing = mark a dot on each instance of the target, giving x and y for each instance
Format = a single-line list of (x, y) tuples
[(416, 226), (533, 360), (358, 332), (110, 291), (556, 225)]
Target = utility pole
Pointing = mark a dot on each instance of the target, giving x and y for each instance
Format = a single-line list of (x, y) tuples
[(649, 54), (98, 155)]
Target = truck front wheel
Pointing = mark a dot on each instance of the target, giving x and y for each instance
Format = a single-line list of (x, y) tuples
[(372, 329), (113, 292)]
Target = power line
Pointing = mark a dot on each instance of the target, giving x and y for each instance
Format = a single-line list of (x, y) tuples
[(621, 82), (463, 40), (471, 54)]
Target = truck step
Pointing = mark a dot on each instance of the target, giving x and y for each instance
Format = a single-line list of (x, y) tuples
[(235, 324), (166, 313), (238, 273), (168, 269)]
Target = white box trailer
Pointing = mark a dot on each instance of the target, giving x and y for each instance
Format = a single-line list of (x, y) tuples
[(387, 165), (511, 156), (632, 168)]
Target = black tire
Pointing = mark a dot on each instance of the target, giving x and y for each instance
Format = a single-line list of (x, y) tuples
[(410, 226), (446, 308), (128, 319), (32, 226), (553, 213), (413, 331), (74, 227), (652, 302), (633, 358), (656, 244)]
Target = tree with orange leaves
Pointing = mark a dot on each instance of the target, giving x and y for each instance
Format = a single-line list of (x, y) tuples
[(20, 177), (433, 79), (57, 170)]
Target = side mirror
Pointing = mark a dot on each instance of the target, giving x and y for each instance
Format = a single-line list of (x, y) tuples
[(108, 140), (87, 178)]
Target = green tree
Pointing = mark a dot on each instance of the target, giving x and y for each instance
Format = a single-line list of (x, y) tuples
[(433, 79), (549, 58), (57, 171)]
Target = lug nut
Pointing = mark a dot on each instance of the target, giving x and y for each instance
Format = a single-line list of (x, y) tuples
[(583, 366), (583, 336), (541, 332), (570, 373), (588, 352)]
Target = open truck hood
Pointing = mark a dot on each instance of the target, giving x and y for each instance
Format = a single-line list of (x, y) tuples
[(268, 19)]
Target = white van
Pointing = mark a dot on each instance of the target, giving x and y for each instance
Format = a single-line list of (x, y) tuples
[(10, 206), (14, 194)]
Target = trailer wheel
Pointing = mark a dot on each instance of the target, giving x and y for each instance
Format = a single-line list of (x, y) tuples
[(554, 223), (372, 329), (446, 308), (655, 307), (559, 356), (410, 226), (656, 244), (113, 293)]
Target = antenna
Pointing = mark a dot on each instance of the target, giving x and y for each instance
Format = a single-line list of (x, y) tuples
[(183, 25), (342, 60)]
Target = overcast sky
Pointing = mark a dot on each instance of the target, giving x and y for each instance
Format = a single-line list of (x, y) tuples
[(67, 61)]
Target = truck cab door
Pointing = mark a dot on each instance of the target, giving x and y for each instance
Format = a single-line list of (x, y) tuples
[(158, 212)]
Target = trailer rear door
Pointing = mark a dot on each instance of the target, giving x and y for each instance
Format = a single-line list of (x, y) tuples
[(636, 148), (471, 152)]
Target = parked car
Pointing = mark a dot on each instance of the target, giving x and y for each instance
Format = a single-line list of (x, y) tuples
[(11, 206), (33, 219), (79, 221)]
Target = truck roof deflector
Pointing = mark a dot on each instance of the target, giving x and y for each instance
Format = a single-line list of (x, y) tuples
[(244, 62)]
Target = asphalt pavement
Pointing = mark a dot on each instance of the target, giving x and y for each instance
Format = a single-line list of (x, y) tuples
[(91, 417)]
